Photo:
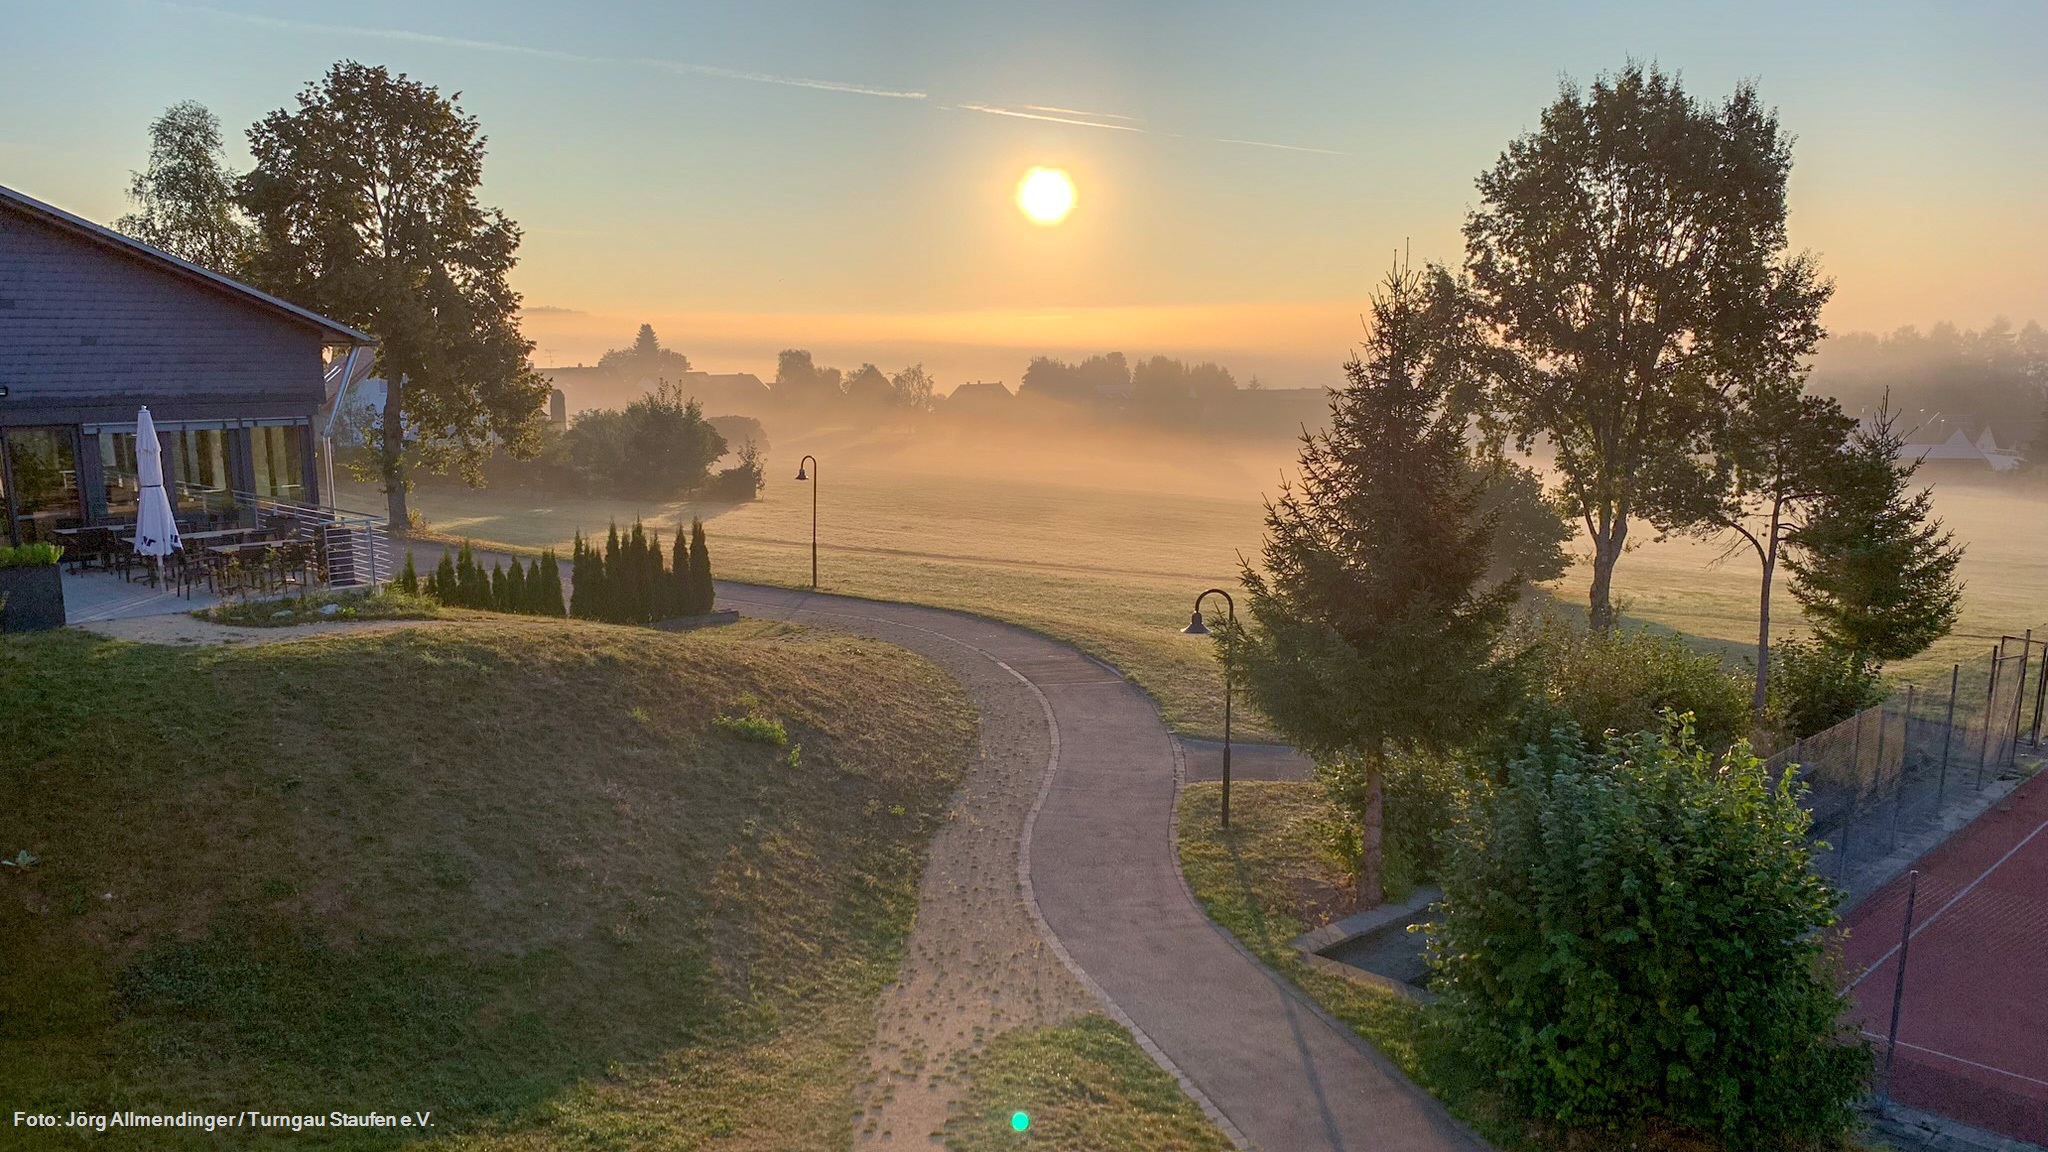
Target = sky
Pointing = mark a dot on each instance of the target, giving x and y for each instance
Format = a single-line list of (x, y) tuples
[(839, 176)]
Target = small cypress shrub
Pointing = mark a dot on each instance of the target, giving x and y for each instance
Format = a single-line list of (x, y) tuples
[(409, 579), (550, 580), (515, 588), (445, 588), (703, 595), (501, 593)]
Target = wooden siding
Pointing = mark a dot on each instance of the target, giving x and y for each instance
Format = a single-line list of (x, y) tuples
[(88, 333)]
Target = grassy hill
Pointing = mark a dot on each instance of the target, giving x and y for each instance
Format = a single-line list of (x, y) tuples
[(512, 873)]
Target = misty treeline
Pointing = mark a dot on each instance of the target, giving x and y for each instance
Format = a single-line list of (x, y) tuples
[(658, 447), (1994, 378), (802, 382), (362, 206)]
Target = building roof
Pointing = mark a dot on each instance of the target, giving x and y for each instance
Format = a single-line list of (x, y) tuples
[(333, 331)]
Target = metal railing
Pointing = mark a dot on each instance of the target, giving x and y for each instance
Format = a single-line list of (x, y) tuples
[(357, 545)]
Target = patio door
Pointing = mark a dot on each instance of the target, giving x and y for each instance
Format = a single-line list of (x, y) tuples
[(39, 482)]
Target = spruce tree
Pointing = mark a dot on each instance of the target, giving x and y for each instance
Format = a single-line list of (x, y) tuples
[(409, 579), (1374, 628), (500, 591), (703, 596), (1872, 568)]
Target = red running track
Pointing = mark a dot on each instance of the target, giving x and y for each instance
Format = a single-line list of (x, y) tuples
[(1973, 1024)]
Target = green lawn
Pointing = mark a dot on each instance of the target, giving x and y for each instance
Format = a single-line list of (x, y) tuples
[(1083, 1087), (509, 872), (1104, 543)]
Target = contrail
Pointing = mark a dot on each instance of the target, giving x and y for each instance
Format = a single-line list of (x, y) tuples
[(1023, 115), (682, 66), (1045, 112)]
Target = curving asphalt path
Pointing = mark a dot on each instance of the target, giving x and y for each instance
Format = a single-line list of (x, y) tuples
[(1098, 868)]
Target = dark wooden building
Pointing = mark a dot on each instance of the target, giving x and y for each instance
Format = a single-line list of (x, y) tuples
[(94, 324)]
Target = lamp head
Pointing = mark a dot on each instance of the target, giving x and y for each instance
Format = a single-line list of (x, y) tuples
[(800, 473), (1195, 626)]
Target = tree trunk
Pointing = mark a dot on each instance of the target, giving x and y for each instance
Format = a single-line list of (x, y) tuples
[(1371, 861), (1600, 598), (1757, 701), (392, 451)]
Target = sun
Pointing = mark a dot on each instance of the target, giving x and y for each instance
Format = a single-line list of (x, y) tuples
[(1045, 195)]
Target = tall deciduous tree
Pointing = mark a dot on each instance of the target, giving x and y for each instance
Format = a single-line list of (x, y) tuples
[(185, 196), (1778, 456), (1630, 255), (1373, 626), (365, 202), (1872, 568)]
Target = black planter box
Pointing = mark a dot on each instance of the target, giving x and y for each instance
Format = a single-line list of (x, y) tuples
[(31, 598)]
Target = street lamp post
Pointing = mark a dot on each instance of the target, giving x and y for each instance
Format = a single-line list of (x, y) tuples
[(1197, 628), (813, 478)]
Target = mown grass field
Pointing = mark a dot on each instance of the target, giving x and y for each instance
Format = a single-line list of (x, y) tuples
[(509, 872), (1104, 542), (1084, 1087)]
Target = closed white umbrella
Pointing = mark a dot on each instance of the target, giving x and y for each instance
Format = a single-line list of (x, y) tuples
[(156, 529)]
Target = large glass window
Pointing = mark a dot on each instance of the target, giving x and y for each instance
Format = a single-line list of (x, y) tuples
[(42, 464), (117, 464), (279, 457), (199, 461)]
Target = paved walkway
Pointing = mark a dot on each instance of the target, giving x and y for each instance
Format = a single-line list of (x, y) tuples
[(1098, 865)]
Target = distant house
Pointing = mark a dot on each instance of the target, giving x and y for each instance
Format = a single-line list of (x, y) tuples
[(1958, 441), (980, 397), (94, 325), (719, 392)]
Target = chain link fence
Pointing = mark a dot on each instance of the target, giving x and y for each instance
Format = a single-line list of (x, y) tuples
[(1883, 780)]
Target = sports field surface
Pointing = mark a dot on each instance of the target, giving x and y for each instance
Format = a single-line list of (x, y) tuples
[(1973, 1020)]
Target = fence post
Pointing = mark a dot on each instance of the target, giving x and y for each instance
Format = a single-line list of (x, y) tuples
[(2019, 699), (1891, 1043), (1984, 744), (2040, 695), (1948, 735), (1905, 750)]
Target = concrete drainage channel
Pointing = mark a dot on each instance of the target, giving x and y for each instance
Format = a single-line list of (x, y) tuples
[(1375, 946)]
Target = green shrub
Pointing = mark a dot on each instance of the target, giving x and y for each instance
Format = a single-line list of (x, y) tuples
[(1632, 935), (1422, 795), (755, 728), (1814, 686), (1624, 682), (32, 555)]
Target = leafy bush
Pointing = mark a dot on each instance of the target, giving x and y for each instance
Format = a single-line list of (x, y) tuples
[(1422, 797), (32, 555), (1626, 680), (1815, 686), (741, 482), (758, 729), (1632, 934)]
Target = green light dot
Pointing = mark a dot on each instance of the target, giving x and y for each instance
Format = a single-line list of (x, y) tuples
[(1019, 1121)]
